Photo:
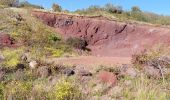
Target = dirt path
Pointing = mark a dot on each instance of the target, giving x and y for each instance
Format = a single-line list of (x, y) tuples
[(93, 60)]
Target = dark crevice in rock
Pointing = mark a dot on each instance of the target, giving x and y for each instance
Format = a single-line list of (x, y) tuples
[(117, 31)]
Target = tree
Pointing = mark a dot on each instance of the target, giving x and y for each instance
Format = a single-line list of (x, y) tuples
[(113, 9), (136, 9), (11, 3), (56, 7)]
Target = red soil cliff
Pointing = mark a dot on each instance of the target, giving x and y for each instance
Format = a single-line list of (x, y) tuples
[(106, 37)]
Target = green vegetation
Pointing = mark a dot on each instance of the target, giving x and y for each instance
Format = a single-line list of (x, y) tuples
[(110, 11), (32, 33), (150, 54), (40, 42), (10, 3), (142, 88), (12, 58), (56, 7), (26, 4), (77, 43), (66, 90)]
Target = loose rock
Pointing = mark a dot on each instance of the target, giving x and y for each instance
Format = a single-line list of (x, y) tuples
[(33, 64), (68, 71)]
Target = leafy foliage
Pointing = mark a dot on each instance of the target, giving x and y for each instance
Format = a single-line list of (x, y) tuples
[(12, 58), (77, 43), (110, 11), (9, 2), (65, 90), (56, 7)]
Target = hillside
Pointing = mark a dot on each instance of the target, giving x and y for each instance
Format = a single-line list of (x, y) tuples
[(47, 55)]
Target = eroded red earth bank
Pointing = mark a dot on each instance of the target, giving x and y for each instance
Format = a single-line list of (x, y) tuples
[(106, 37)]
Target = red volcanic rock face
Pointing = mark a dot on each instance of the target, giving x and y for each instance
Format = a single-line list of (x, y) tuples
[(6, 40), (105, 37)]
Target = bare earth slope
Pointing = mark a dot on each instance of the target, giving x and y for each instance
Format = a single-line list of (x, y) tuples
[(106, 37)]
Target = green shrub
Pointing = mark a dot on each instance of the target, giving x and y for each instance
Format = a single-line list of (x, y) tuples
[(143, 88), (55, 52), (26, 4), (56, 7), (65, 90), (54, 38), (150, 54), (77, 43), (12, 58), (18, 90), (9, 2), (113, 9), (1, 91)]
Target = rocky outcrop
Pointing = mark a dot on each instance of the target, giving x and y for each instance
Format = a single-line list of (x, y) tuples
[(106, 37)]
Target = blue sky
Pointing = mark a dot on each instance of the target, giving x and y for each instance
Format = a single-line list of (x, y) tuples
[(157, 6)]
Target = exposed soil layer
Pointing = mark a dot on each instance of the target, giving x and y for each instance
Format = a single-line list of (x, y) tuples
[(106, 37)]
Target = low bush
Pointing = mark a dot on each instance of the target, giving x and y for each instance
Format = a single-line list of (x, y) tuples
[(11, 3), (26, 4), (150, 54), (12, 58), (142, 88), (65, 90), (18, 90), (1, 91), (77, 43), (56, 7)]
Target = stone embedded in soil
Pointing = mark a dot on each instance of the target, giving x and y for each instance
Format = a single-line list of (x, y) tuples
[(68, 72)]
